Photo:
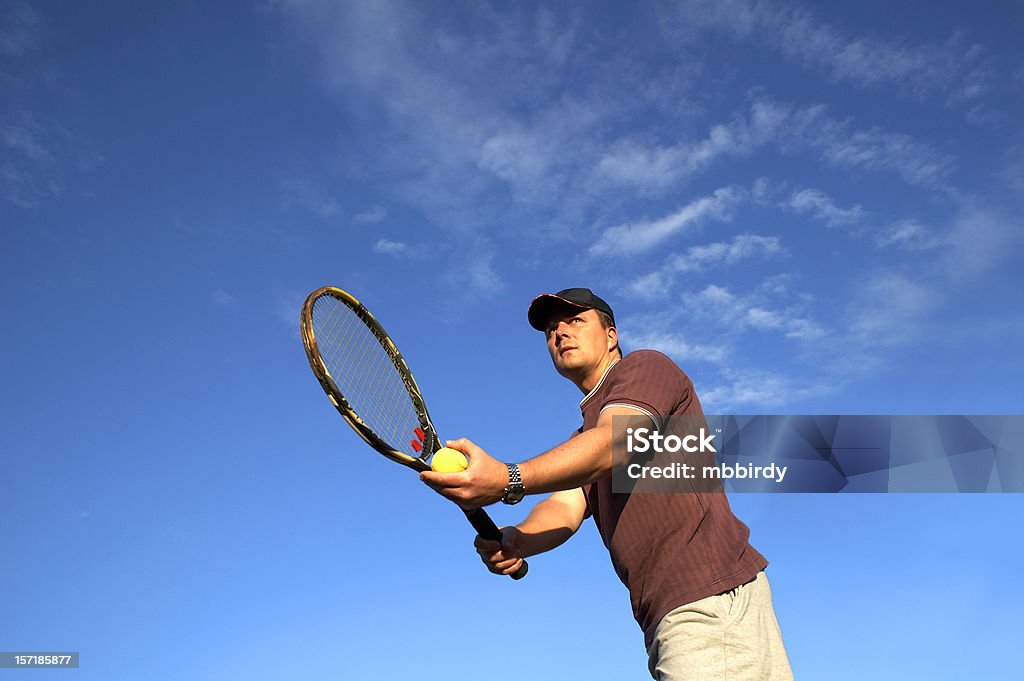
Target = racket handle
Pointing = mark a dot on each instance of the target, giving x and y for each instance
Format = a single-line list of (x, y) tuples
[(486, 528)]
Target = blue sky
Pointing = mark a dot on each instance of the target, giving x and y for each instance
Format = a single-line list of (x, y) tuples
[(812, 209)]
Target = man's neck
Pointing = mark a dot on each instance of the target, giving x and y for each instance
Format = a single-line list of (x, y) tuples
[(594, 377)]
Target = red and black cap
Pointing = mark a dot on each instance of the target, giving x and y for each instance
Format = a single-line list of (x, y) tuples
[(544, 305)]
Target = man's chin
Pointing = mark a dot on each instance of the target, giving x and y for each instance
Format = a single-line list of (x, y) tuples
[(566, 370)]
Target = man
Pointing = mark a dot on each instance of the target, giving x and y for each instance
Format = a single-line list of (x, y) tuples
[(696, 586)]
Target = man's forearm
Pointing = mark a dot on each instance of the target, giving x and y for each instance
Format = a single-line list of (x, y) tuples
[(586, 458), (551, 522), (580, 461)]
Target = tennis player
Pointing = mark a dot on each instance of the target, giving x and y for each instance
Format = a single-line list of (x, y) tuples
[(697, 587)]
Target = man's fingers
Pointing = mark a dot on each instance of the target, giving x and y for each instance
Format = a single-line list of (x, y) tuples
[(504, 566), (512, 567), (441, 481), (487, 545)]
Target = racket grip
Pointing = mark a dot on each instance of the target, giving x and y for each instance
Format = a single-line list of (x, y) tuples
[(486, 528)]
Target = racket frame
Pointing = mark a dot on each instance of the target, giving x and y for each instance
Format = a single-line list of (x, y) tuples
[(431, 442)]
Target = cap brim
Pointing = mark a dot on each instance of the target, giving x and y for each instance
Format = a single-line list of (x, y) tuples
[(544, 305)]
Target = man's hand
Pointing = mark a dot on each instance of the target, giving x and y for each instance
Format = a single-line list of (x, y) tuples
[(504, 558), (481, 484)]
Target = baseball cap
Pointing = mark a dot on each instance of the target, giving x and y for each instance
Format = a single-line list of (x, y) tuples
[(579, 298)]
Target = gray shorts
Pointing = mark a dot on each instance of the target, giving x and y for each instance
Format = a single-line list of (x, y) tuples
[(729, 637)]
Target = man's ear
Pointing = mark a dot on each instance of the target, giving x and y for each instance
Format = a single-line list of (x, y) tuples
[(613, 338)]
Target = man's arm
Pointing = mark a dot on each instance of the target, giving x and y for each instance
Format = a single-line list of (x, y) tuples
[(549, 524), (580, 461)]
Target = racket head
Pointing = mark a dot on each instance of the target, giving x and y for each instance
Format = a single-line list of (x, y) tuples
[(365, 377)]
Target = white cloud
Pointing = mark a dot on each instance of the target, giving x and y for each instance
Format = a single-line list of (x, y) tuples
[(370, 216), (286, 310), (890, 309), (25, 188), (521, 159), (717, 320), (310, 196), (908, 235), (476, 277), (222, 297), (981, 237), (756, 390), (675, 345), (655, 168), (20, 27), (821, 207), (30, 172), (878, 150), (639, 237), (948, 68), (792, 130), (651, 286), (659, 283), (397, 249), (711, 296), (718, 308), (25, 138), (742, 247)]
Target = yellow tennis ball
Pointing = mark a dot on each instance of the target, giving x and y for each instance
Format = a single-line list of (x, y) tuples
[(447, 460)]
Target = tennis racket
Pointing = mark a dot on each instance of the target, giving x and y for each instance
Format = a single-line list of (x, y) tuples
[(367, 380)]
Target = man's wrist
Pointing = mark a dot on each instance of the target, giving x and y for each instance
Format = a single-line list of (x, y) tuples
[(514, 489)]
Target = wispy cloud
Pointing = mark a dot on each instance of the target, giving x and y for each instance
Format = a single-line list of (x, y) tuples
[(949, 68), (980, 238), (660, 282), (476, 276), (25, 138), (639, 237), (371, 216), (515, 126), (516, 131), (820, 206), (719, 308), (20, 26), (286, 307), (711, 325), (734, 389), (31, 172), (889, 308), (651, 168), (25, 188), (792, 129), (311, 197), (397, 249), (908, 235), (222, 297), (675, 344)]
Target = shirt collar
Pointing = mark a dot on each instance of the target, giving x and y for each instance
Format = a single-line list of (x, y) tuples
[(595, 388)]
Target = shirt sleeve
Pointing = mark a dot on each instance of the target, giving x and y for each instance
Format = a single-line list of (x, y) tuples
[(651, 382)]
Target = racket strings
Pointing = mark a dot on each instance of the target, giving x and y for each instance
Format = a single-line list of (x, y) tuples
[(365, 374)]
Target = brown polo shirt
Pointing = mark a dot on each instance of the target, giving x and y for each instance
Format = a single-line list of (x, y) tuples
[(668, 548)]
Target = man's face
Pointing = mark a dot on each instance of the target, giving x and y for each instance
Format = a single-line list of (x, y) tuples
[(579, 345)]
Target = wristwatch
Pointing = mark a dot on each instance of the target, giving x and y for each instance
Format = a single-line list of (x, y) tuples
[(514, 491)]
